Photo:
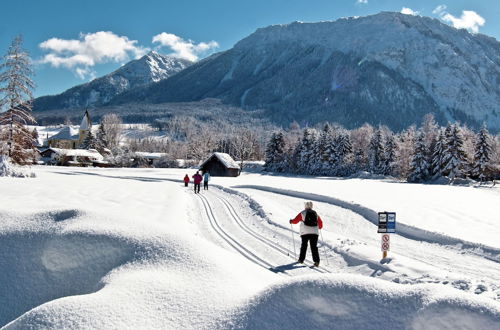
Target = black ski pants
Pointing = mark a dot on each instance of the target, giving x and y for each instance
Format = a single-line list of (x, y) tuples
[(205, 185), (313, 239), (196, 188)]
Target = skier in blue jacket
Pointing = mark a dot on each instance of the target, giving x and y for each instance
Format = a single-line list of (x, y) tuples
[(206, 178)]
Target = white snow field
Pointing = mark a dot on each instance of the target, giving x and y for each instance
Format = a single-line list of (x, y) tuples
[(84, 248)]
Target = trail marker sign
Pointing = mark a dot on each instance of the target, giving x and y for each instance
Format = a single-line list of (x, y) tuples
[(386, 222)]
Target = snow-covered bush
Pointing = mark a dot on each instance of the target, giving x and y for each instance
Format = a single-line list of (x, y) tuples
[(12, 170)]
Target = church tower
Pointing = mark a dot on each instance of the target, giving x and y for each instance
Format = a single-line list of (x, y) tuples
[(85, 127)]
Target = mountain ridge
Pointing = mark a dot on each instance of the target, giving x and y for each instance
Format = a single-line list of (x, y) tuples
[(148, 69)]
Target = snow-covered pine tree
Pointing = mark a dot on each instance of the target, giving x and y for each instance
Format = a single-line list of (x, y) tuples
[(16, 98), (324, 151), (455, 159), (376, 153), (101, 139), (437, 161), (275, 153), (89, 142), (482, 154), (419, 164), (270, 153), (343, 153), (306, 154), (390, 155)]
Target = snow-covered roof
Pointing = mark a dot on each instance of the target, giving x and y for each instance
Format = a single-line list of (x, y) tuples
[(150, 155), (225, 159), (66, 133), (91, 153)]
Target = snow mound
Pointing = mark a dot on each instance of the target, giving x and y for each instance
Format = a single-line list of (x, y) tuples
[(73, 268), (355, 302)]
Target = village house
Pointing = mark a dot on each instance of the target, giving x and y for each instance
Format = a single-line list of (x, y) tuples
[(71, 138), (72, 157)]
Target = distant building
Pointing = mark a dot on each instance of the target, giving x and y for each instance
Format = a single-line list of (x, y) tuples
[(220, 164), (73, 157), (69, 137)]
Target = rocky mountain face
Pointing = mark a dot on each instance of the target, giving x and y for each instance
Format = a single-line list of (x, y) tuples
[(150, 68), (387, 68)]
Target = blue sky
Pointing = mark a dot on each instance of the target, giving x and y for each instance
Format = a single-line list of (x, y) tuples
[(73, 41)]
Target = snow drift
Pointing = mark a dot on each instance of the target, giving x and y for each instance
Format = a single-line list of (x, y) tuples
[(355, 302)]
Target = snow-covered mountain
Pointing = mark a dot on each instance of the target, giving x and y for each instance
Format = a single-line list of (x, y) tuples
[(387, 68), (150, 68)]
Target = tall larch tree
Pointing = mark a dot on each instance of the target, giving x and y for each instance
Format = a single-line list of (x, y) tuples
[(16, 98)]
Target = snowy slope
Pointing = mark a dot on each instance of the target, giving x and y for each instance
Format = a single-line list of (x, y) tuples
[(150, 68), (132, 248)]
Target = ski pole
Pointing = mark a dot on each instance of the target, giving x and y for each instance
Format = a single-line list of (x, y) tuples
[(293, 240), (324, 246)]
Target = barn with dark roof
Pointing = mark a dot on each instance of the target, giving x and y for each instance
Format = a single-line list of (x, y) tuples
[(220, 164)]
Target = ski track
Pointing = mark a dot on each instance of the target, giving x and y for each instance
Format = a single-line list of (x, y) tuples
[(229, 239), (278, 260), (241, 223)]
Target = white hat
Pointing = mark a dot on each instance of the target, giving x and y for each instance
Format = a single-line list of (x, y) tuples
[(309, 205)]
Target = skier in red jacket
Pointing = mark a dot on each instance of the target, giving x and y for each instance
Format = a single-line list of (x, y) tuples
[(197, 178), (186, 180), (310, 223)]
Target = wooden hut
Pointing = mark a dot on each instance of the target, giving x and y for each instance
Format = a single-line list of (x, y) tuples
[(220, 164)]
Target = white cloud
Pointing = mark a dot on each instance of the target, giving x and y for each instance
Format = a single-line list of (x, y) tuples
[(408, 11), (469, 20), (181, 48), (439, 9), (82, 73), (90, 49), (362, 1)]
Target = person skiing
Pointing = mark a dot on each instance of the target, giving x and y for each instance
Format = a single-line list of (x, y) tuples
[(310, 223), (197, 178), (206, 178), (186, 180)]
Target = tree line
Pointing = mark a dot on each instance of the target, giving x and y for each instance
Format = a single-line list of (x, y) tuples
[(425, 154)]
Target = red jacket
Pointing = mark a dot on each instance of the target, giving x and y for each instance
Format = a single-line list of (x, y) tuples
[(186, 179), (197, 178), (298, 219)]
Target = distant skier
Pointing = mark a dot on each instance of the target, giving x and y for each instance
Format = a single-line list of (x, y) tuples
[(310, 223), (197, 178), (186, 180), (206, 178)]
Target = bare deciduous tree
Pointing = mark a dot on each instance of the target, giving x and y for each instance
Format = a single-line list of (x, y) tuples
[(113, 127)]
